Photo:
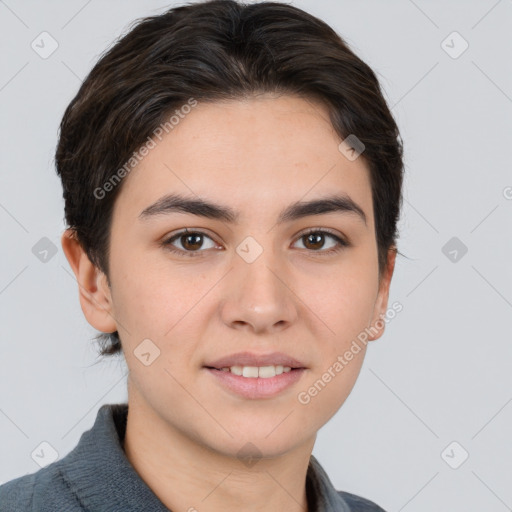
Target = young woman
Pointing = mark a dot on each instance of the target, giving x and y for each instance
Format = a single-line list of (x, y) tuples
[(232, 182)]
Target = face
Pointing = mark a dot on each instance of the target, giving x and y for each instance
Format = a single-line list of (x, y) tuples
[(258, 274)]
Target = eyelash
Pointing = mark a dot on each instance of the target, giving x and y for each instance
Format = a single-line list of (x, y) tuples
[(342, 244)]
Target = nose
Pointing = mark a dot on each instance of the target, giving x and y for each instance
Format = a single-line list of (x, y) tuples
[(258, 296)]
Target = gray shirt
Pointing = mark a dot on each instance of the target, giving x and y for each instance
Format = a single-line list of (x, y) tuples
[(96, 476)]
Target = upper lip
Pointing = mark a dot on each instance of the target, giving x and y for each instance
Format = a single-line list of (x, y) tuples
[(251, 359)]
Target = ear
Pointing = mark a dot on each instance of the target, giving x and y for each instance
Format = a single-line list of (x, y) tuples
[(381, 304), (94, 292)]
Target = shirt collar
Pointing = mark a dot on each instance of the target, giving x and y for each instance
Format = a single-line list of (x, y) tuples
[(102, 478)]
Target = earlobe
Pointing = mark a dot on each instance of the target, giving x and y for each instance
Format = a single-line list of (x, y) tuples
[(378, 324), (94, 293)]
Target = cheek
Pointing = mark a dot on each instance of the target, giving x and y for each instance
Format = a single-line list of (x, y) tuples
[(330, 384), (344, 300), (158, 303), (346, 306), (153, 296)]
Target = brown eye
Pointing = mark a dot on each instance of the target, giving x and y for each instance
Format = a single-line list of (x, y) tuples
[(315, 241), (191, 242)]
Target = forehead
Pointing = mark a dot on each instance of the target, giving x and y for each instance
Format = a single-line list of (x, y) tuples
[(256, 153)]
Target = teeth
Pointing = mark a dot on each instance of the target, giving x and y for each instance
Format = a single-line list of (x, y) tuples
[(250, 371), (264, 372)]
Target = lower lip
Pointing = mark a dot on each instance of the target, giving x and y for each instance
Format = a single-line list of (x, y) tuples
[(257, 387)]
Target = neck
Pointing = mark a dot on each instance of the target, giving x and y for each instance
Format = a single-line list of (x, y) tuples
[(187, 475)]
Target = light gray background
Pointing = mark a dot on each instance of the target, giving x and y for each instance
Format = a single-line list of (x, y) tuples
[(441, 373)]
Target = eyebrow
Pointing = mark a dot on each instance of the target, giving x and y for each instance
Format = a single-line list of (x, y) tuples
[(196, 206)]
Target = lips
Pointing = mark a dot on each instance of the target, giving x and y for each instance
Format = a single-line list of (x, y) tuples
[(251, 359)]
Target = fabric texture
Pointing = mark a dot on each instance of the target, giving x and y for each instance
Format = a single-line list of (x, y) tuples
[(96, 476)]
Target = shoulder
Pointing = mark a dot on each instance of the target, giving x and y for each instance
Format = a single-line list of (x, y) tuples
[(359, 504), (16, 495), (44, 490)]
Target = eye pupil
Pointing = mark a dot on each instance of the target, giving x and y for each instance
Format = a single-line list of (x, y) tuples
[(196, 244), (315, 239)]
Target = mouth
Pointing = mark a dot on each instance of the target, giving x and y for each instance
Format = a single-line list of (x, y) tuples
[(251, 365), (256, 376), (254, 388), (254, 372)]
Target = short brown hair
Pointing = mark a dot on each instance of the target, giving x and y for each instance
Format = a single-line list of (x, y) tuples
[(210, 51)]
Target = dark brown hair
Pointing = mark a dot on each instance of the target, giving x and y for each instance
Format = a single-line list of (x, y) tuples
[(211, 51)]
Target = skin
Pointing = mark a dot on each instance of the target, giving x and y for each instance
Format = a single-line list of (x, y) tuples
[(184, 430)]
